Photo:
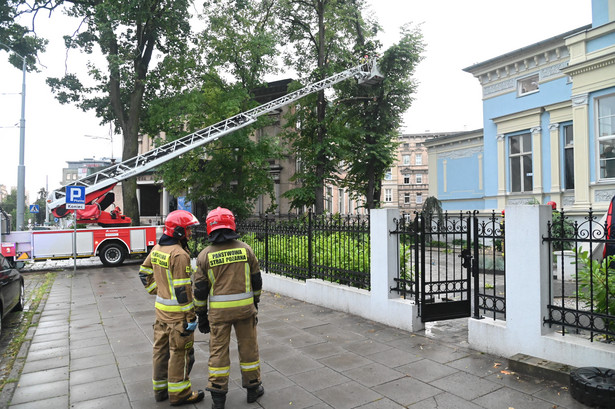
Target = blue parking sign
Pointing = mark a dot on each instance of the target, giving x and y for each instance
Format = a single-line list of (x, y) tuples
[(75, 197), (34, 209)]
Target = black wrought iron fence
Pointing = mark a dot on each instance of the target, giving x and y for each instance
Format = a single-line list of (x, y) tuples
[(582, 294), (330, 247), (490, 283), (437, 253)]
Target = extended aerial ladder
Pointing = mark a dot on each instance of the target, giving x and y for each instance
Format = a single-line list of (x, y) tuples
[(99, 184)]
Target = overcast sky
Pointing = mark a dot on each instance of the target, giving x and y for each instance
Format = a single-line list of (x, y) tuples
[(457, 34)]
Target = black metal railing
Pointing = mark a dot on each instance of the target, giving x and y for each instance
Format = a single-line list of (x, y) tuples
[(582, 294), (436, 252), (490, 282), (330, 247)]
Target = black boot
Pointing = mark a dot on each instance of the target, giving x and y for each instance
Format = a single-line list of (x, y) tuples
[(255, 393), (218, 400)]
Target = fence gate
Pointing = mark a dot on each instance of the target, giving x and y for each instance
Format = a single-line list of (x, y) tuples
[(447, 251)]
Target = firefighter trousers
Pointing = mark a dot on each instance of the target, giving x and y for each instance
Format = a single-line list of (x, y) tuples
[(173, 360), (219, 359)]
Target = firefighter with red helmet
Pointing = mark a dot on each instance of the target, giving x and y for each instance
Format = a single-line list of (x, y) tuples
[(228, 279), (166, 273)]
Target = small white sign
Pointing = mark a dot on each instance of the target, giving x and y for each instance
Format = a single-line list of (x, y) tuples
[(75, 206)]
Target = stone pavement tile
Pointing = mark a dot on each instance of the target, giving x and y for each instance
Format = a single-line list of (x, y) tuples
[(294, 364), (92, 361), (48, 344), (89, 342), (344, 361), (292, 397), (90, 375), (136, 359), (445, 400), (63, 328), (81, 334), (440, 353), (506, 398), (274, 380), (367, 347), (480, 364), (47, 353), (373, 374), (59, 402), (150, 403), (283, 332), (141, 390), (348, 395), (521, 382), (141, 373), (559, 395), (82, 352), (93, 390), (320, 405), (40, 392), (318, 379), (426, 370), (322, 350), (466, 385), (51, 323), (406, 391), (269, 352), (236, 398), (408, 343), (84, 326), (306, 321), (49, 337), (123, 347), (115, 401), (383, 403), (331, 333), (394, 357), (44, 364), (37, 378)]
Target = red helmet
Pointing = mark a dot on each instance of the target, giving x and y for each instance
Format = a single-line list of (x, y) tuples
[(220, 218), (177, 222), (553, 205)]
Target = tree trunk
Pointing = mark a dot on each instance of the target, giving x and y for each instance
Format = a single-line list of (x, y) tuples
[(319, 205)]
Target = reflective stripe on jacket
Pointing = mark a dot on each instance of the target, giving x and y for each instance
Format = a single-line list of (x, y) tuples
[(167, 274), (227, 268)]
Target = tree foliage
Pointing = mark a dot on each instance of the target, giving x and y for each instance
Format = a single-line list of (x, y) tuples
[(240, 40), (373, 115), (127, 34), (19, 38), (322, 37), (9, 205)]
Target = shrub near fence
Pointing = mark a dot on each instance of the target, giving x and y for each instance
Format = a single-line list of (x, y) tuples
[(330, 247)]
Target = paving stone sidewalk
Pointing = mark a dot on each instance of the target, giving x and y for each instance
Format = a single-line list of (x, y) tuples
[(92, 349)]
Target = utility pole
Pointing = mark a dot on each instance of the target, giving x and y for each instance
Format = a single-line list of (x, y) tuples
[(21, 168)]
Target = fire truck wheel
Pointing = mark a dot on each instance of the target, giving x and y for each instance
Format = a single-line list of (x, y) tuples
[(112, 255), (593, 386)]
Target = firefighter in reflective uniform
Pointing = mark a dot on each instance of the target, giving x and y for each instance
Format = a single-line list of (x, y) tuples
[(166, 273), (229, 280)]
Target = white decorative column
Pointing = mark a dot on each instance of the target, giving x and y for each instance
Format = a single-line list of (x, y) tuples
[(537, 159), (501, 171), (580, 117)]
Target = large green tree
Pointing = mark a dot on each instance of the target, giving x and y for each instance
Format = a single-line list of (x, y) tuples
[(239, 41), (372, 116), (127, 34), (321, 39)]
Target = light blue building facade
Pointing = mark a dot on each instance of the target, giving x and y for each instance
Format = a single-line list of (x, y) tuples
[(548, 126)]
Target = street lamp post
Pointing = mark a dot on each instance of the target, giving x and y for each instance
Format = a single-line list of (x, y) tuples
[(21, 168)]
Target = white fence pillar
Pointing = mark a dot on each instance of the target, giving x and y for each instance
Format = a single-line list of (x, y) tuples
[(528, 278)]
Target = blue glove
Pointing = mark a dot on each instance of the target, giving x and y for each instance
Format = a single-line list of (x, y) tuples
[(191, 326)]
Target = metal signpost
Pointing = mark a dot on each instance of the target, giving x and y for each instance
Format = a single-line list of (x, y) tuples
[(75, 200)]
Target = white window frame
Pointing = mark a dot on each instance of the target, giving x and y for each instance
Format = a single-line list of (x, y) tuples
[(388, 195), (418, 159), (405, 160), (419, 198), (407, 198), (389, 174), (419, 178), (605, 131), (528, 85), (406, 179)]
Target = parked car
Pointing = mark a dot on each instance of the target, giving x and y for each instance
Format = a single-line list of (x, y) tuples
[(11, 289)]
